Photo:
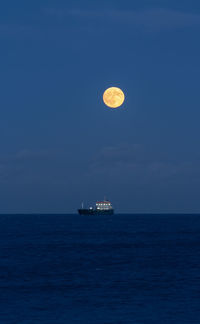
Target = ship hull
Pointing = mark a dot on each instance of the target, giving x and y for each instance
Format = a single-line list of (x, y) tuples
[(95, 212)]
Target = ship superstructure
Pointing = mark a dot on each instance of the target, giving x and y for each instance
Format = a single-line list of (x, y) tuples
[(103, 205), (102, 208)]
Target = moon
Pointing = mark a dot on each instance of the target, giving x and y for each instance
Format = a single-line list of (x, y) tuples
[(113, 97)]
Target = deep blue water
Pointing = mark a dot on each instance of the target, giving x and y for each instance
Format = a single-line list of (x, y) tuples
[(104, 269)]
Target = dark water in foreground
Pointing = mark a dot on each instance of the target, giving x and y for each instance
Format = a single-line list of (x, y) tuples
[(110, 269)]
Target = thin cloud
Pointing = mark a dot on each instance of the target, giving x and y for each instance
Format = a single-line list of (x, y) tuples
[(148, 20), (14, 165), (24, 154), (15, 29), (153, 20), (158, 19), (130, 162)]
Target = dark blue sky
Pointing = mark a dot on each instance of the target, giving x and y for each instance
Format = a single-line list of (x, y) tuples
[(60, 145)]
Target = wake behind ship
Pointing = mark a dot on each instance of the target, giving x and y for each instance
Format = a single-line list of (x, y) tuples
[(102, 208)]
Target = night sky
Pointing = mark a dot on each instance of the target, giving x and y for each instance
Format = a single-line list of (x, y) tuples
[(60, 145)]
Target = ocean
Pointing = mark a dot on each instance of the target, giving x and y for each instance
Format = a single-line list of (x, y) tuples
[(64, 269)]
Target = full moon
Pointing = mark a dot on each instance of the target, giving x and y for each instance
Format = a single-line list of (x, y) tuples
[(113, 97)]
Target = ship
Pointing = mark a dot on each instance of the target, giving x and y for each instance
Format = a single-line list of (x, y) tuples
[(102, 208)]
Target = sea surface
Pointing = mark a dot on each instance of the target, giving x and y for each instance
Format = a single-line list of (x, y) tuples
[(64, 269)]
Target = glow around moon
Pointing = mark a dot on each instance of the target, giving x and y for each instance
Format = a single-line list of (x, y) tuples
[(113, 97)]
